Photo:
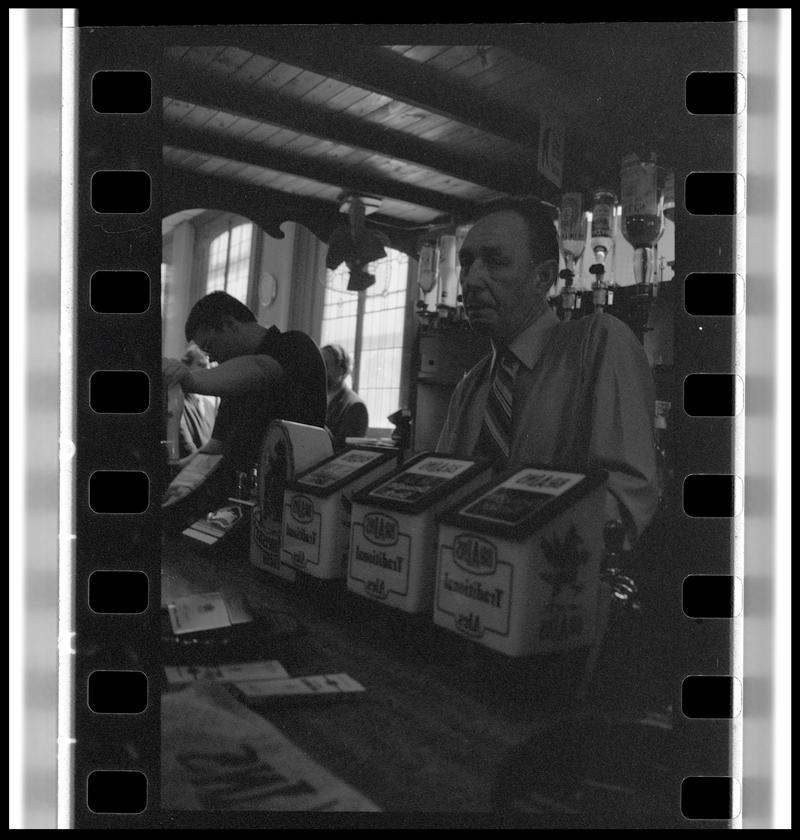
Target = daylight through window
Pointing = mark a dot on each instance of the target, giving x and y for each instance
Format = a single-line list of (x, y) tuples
[(370, 326)]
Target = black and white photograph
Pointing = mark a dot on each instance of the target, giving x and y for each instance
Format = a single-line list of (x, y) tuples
[(442, 263), (462, 242)]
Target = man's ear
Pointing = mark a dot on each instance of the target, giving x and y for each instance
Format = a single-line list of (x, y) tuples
[(546, 274)]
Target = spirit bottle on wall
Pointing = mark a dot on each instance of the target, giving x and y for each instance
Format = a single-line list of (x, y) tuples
[(642, 212), (642, 199), (572, 234), (428, 281), (603, 224), (428, 271), (602, 241), (448, 276)]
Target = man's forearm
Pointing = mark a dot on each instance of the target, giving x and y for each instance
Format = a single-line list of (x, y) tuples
[(233, 378)]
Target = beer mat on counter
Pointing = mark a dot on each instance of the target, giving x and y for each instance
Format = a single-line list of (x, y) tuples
[(206, 611), (247, 641), (219, 524), (217, 755)]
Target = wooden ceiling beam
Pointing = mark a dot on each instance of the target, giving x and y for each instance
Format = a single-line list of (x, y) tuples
[(184, 189), (204, 89), (346, 178), (390, 74)]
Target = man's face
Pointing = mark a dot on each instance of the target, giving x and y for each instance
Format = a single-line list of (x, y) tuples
[(501, 287), (219, 344)]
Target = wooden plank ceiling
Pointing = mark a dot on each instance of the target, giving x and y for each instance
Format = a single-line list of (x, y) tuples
[(278, 126)]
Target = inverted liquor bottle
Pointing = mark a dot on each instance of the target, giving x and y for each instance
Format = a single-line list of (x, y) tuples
[(428, 281), (642, 212), (642, 198), (572, 235), (448, 277), (604, 204)]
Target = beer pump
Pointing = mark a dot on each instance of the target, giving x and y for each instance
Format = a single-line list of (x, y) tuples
[(572, 235)]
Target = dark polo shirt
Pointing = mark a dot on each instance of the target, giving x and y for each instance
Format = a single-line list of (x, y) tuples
[(300, 397)]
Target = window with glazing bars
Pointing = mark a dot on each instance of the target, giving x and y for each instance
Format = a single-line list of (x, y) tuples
[(229, 261), (370, 326)]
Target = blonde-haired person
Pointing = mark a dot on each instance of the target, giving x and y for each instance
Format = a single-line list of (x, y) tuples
[(347, 414)]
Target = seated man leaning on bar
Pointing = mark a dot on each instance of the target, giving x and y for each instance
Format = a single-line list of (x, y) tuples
[(572, 395), (262, 375)]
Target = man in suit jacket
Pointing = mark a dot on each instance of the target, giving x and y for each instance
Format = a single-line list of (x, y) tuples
[(573, 395)]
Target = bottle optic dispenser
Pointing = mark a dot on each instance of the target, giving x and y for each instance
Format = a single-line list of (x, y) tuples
[(602, 241)]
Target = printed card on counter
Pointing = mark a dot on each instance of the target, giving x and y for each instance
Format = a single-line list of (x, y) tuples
[(299, 686), (266, 670), (208, 611)]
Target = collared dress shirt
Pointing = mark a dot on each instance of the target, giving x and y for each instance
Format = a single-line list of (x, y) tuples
[(583, 398)]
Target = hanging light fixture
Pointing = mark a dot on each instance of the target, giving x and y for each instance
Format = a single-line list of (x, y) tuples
[(354, 244)]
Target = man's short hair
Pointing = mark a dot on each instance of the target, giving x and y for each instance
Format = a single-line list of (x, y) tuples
[(211, 311), (542, 234)]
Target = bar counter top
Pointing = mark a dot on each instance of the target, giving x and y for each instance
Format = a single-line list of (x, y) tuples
[(440, 714)]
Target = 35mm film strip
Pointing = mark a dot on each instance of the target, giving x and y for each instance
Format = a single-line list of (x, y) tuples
[(118, 398)]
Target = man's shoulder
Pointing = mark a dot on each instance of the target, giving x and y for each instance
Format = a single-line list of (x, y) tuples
[(597, 327), (297, 337), (353, 399), (276, 339), (292, 347)]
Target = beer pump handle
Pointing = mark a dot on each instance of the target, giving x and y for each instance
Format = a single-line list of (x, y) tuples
[(401, 436)]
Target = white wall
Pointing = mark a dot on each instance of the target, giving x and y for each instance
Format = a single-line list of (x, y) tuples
[(177, 294), (182, 283), (277, 258)]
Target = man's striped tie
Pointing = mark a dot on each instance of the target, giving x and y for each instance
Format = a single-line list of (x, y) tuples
[(497, 417)]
